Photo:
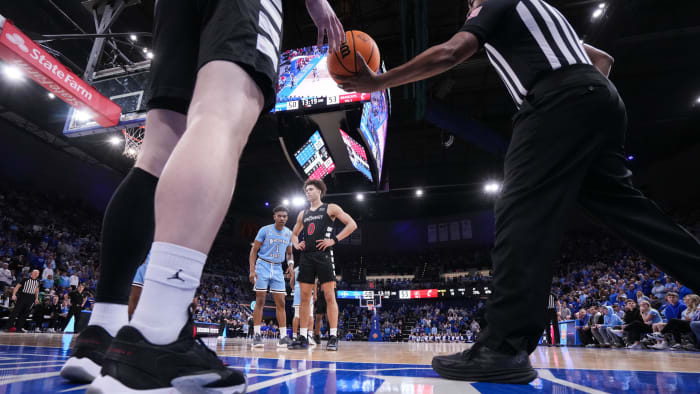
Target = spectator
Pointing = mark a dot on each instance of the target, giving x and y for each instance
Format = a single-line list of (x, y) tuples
[(610, 319), (675, 328), (74, 280), (659, 290), (635, 329), (6, 277)]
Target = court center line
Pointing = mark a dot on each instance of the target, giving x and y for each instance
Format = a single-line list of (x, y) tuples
[(547, 375), (272, 382)]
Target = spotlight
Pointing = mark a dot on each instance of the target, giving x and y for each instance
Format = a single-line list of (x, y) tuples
[(298, 201), (52, 96), (419, 193), (13, 73), (601, 5), (267, 204), (145, 50), (115, 140), (133, 37), (597, 13), (492, 187), (149, 55), (360, 197), (82, 116), (630, 157), (698, 100), (285, 202)]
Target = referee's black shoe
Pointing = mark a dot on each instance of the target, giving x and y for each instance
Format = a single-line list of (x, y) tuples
[(88, 352), (482, 364), (134, 365)]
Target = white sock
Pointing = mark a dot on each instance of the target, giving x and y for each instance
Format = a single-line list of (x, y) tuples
[(283, 332), (303, 332), (171, 280), (109, 316), (256, 330), (334, 332)]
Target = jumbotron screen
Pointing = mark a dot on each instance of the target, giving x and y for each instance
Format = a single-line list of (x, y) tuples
[(314, 158), (373, 124), (304, 82), (357, 154)]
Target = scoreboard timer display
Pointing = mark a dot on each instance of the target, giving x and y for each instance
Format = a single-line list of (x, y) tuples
[(314, 158)]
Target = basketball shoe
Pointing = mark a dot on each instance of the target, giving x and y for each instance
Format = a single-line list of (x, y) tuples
[(87, 355), (482, 364), (332, 344), (134, 365), (299, 342)]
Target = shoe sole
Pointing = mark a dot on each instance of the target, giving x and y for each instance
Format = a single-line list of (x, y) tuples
[(80, 370), (508, 376), (185, 384), (258, 345), (282, 346)]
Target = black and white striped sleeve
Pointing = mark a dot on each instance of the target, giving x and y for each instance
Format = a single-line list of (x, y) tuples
[(485, 19)]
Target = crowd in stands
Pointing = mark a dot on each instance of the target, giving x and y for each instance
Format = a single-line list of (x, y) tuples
[(615, 295)]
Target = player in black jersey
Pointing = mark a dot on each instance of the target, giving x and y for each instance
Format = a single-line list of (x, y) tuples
[(317, 257)]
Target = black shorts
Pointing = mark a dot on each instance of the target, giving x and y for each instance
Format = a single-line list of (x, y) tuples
[(316, 265), (187, 34)]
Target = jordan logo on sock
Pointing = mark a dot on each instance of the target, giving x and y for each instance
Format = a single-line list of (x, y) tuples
[(177, 276)]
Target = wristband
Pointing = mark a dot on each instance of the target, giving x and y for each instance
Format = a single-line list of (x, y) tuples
[(290, 262), (335, 239)]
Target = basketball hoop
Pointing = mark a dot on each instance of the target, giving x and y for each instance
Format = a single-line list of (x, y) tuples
[(133, 137)]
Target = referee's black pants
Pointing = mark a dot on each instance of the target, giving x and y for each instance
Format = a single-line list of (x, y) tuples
[(568, 147), (552, 319), (22, 309), (73, 311)]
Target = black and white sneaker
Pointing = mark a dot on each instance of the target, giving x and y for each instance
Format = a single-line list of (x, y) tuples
[(87, 355), (332, 344), (299, 342), (482, 364), (317, 339), (258, 341), (134, 365)]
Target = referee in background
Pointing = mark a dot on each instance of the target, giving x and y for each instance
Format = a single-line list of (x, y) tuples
[(553, 319), (567, 147), (28, 296)]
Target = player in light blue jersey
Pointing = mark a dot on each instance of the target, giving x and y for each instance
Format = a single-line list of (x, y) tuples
[(137, 285), (271, 246)]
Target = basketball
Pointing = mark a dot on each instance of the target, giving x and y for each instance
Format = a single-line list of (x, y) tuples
[(343, 61)]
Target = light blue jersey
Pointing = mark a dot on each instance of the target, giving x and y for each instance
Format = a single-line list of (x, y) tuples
[(140, 276), (273, 243)]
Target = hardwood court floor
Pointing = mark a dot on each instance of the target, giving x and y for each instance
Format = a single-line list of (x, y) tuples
[(30, 363)]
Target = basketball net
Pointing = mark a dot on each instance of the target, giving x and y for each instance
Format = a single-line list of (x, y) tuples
[(133, 137)]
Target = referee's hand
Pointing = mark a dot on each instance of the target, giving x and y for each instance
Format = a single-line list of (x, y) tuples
[(253, 277)]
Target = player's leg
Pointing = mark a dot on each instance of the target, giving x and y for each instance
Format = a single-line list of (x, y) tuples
[(281, 314), (260, 296), (305, 315), (278, 288), (192, 198), (129, 222), (295, 322), (317, 325)]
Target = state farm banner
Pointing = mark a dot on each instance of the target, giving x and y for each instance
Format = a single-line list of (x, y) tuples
[(19, 50)]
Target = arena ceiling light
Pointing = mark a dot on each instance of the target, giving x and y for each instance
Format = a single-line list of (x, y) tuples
[(13, 73), (82, 116), (115, 140), (285, 202), (697, 100), (601, 5), (492, 187), (51, 96), (360, 197), (149, 55), (298, 201), (133, 37), (267, 204), (419, 193), (597, 13)]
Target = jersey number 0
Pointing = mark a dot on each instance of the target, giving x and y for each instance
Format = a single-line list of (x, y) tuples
[(311, 229)]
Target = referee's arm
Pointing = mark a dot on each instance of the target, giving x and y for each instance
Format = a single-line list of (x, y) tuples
[(36, 295), (433, 61), (601, 60), (15, 290)]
